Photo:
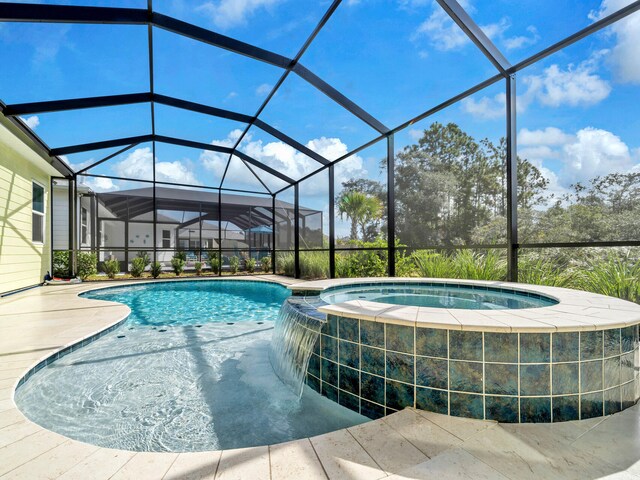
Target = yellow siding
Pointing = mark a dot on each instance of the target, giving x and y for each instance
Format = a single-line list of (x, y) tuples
[(22, 262)]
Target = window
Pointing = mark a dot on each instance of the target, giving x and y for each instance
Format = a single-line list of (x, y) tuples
[(37, 213), (83, 226), (166, 238)]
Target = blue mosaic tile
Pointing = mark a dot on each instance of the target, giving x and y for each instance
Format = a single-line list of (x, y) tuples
[(431, 342), (330, 392), (465, 376), (629, 338), (535, 347), (566, 347), (400, 367), (566, 408), (352, 402), (612, 401), (329, 347), (501, 409), (371, 410), (349, 380), (465, 345), (372, 360), (349, 329), (399, 395), (432, 372), (535, 410), (611, 372), (329, 372), (591, 405), (314, 365), (466, 405), (372, 388), (372, 333), (349, 354), (400, 338), (534, 380), (501, 347), (591, 345), (627, 368), (591, 376), (565, 378), (432, 400), (313, 382), (612, 342), (316, 346), (501, 379)]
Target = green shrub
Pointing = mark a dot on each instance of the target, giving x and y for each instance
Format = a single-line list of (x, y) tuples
[(181, 254), (314, 265), (471, 265), (250, 264), (368, 263), (177, 264), (198, 267), (137, 267), (87, 264), (234, 263), (156, 269), (285, 264), (61, 265), (145, 258), (214, 263), (536, 269), (613, 275), (266, 264), (111, 267)]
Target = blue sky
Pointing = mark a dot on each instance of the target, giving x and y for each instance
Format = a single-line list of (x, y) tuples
[(394, 58)]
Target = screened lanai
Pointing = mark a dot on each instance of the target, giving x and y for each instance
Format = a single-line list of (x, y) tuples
[(360, 138)]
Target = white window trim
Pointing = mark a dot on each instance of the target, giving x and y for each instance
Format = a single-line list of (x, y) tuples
[(42, 214)]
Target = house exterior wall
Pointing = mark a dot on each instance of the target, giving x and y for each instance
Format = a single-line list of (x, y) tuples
[(23, 263)]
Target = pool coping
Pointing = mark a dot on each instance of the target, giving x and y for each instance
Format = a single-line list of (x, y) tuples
[(412, 441), (576, 311)]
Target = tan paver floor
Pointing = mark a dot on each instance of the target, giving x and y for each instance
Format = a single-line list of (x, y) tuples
[(411, 444)]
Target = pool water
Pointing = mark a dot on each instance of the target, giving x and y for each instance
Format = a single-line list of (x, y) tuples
[(439, 296), (179, 385)]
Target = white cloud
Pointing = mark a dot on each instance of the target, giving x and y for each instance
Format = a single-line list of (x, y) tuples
[(415, 134), (232, 13), (139, 165), (549, 136), (100, 184), (32, 121), (577, 85), (264, 90), (486, 107), (442, 32), (624, 56), (521, 41)]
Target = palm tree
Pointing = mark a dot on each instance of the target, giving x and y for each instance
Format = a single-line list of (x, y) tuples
[(360, 209)]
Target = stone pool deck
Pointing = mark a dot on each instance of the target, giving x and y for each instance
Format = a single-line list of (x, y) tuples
[(410, 444)]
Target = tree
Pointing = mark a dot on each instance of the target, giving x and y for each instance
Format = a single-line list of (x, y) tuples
[(359, 208)]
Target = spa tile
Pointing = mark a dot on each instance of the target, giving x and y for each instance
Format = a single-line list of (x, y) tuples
[(349, 329), (566, 408), (501, 379), (591, 376), (400, 367), (466, 405), (242, 463), (295, 460), (465, 345), (534, 380), (400, 338), (371, 410), (590, 345), (372, 333), (628, 394), (612, 401), (501, 347), (331, 327), (612, 342), (627, 369), (535, 410), (399, 395), (432, 400), (431, 342), (330, 392), (591, 405), (329, 347), (194, 466), (535, 347), (314, 365), (566, 346), (349, 354), (629, 338), (465, 376), (565, 378), (432, 372), (349, 380), (372, 388), (343, 457), (372, 360), (501, 409), (313, 382), (611, 372), (330, 372)]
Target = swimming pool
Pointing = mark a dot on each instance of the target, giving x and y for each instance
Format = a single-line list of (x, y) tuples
[(438, 295), (196, 379)]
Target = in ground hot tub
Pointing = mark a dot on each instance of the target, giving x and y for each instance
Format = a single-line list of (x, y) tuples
[(487, 350)]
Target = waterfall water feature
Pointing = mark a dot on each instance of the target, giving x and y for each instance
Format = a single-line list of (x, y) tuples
[(296, 332)]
